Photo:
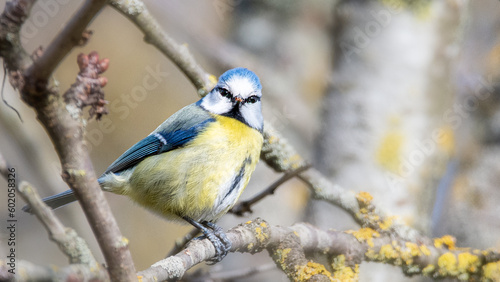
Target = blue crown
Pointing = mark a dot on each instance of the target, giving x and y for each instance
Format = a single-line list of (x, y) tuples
[(241, 72)]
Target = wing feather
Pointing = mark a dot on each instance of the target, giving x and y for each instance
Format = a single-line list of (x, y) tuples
[(175, 132)]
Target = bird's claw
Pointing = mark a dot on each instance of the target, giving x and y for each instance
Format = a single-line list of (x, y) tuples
[(219, 240), (216, 235)]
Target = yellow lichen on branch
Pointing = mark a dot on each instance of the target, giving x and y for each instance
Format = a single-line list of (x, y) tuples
[(458, 263), (491, 271), (386, 223), (342, 272), (260, 234), (306, 272), (364, 234), (364, 198), (397, 254), (468, 262), (447, 264), (282, 256), (461, 265), (446, 241)]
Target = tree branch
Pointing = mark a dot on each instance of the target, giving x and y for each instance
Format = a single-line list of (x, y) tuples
[(72, 245), (288, 247), (4, 167), (79, 173), (65, 41), (64, 124), (182, 242), (68, 241), (246, 206), (27, 271), (11, 20)]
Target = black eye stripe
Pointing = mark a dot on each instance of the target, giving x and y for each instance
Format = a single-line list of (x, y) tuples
[(252, 99), (225, 93)]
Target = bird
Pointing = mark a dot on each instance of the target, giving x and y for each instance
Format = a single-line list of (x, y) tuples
[(195, 165)]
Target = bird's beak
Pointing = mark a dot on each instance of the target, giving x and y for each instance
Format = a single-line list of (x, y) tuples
[(238, 99)]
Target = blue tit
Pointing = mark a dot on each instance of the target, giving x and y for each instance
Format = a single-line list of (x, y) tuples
[(195, 165)]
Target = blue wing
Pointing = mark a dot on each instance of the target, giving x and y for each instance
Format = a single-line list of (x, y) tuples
[(174, 133)]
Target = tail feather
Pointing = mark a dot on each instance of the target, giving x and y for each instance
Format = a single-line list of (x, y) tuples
[(55, 201)]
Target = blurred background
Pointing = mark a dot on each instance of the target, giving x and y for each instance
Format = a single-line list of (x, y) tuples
[(399, 98)]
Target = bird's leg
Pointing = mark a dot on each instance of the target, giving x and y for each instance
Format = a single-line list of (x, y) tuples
[(219, 241), (219, 232)]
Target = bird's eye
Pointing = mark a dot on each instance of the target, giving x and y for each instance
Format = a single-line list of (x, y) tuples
[(252, 99), (224, 92)]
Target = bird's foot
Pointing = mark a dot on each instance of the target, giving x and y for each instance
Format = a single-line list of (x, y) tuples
[(216, 235), (222, 239)]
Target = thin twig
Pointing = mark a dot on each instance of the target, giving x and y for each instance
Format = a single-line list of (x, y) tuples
[(246, 206), (2, 92), (27, 271), (4, 167), (73, 246), (65, 41), (182, 242)]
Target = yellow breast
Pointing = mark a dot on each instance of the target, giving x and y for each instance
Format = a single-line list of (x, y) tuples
[(203, 179)]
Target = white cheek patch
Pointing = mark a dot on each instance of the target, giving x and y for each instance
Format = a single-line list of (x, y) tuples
[(220, 108), (252, 115), (215, 104)]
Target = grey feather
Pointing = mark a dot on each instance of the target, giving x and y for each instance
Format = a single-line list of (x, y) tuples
[(56, 201)]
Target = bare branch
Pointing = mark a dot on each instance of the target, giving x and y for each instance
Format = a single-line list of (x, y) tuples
[(182, 242), (11, 20), (4, 167), (27, 271), (69, 242), (64, 42), (246, 206), (79, 173), (251, 237), (62, 120)]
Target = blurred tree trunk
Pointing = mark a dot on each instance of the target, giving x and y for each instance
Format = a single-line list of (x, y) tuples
[(472, 213), (384, 130)]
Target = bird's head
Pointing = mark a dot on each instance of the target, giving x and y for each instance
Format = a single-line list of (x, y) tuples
[(237, 95)]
